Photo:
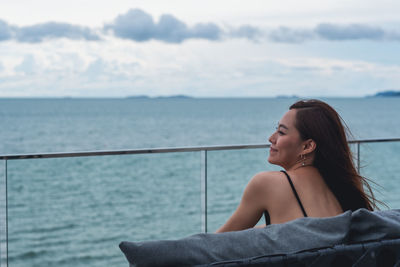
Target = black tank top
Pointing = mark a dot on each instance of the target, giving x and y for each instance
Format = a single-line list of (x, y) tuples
[(266, 214)]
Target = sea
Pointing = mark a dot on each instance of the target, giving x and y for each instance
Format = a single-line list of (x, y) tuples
[(76, 211)]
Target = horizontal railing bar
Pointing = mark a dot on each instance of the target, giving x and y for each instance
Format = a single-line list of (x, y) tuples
[(159, 150), (132, 151), (374, 140)]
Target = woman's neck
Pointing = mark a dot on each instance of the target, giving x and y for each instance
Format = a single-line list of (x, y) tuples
[(299, 166)]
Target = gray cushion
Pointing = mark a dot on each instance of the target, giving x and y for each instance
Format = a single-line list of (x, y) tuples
[(300, 234), (296, 235), (378, 225)]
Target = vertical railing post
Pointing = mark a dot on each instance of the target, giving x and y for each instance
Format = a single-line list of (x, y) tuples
[(4, 218), (358, 157), (1, 216), (6, 214), (204, 191)]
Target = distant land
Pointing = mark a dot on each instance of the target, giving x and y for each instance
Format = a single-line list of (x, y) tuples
[(159, 97), (193, 97), (390, 93), (387, 93), (287, 96)]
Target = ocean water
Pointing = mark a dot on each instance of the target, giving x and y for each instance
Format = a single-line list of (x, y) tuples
[(75, 211)]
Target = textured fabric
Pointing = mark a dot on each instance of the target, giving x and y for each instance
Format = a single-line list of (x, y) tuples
[(296, 235), (293, 236), (373, 240), (384, 253), (366, 225)]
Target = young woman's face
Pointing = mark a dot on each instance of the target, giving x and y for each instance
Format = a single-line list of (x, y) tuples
[(286, 144)]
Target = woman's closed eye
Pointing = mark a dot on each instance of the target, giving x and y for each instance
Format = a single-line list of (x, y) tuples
[(279, 131)]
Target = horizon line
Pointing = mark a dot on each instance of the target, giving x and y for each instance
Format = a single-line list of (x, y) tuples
[(144, 97)]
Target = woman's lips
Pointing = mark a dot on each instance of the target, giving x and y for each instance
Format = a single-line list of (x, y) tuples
[(273, 149)]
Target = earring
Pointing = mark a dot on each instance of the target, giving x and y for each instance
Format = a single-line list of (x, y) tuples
[(303, 158)]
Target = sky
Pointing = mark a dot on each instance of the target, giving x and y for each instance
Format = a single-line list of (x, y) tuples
[(219, 48)]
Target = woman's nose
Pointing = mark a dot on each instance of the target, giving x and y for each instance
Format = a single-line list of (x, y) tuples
[(271, 139)]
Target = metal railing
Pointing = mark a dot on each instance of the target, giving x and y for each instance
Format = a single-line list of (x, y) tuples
[(163, 150), (202, 149)]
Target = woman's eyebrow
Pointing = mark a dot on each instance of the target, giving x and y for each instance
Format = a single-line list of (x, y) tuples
[(283, 126)]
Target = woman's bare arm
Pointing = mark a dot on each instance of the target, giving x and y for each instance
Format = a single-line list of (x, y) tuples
[(251, 207)]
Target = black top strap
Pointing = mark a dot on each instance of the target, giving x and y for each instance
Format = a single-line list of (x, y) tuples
[(267, 218), (295, 193)]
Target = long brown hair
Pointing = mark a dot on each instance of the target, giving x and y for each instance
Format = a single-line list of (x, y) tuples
[(318, 121)]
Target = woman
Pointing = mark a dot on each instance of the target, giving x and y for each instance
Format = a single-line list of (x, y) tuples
[(319, 180)]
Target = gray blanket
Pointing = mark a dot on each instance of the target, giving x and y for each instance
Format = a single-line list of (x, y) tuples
[(300, 234)]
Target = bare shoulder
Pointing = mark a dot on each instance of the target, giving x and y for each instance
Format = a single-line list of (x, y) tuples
[(268, 182), (267, 177), (266, 188)]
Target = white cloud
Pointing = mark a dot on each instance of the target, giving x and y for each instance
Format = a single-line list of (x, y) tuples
[(255, 49), (270, 13), (28, 65), (139, 26), (327, 66), (199, 68)]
